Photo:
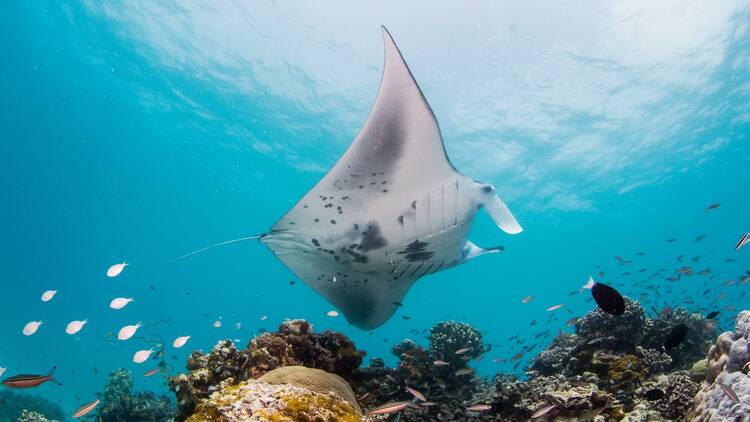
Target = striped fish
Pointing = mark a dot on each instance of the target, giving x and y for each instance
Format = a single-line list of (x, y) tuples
[(744, 240), (85, 409), (417, 395), (729, 392), (29, 381), (388, 408), (543, 411)]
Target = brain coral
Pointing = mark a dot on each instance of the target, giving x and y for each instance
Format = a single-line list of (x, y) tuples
[(311, 379), (255, 401)]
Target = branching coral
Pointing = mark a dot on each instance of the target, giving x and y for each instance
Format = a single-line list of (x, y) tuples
[(654, 360), (449, 337), (679, 391)]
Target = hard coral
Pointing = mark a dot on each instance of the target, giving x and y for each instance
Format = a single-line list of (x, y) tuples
[(679, 391), (312, 379), (448, 337), (294, 344), (654, 360), (259, 401), (726, 360)]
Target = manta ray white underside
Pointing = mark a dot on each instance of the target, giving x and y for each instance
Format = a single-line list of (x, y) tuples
[(392, 209)]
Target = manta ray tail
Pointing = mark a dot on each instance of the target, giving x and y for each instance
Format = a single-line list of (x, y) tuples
[(226, 242)]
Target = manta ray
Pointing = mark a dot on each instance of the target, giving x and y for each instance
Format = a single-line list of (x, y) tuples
[(391, 210)]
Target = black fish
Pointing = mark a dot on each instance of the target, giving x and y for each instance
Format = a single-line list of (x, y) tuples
[(712, 315), (676, 335), (654, 394), (608, 299)]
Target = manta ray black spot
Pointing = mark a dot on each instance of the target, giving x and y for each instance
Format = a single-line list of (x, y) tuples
[(315, 242), (416, 251), (372, 238)]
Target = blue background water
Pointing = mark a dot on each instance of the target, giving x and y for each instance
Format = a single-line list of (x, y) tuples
[(140, 131)]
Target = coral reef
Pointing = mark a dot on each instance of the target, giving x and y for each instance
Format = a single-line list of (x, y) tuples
[(612, 368), (31, 416), (294, 344), (259, 401), (517, 400), (120, 403), (13, 405), (725, 364)]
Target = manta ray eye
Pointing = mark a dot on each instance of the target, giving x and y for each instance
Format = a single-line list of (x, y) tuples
[(488, 189)]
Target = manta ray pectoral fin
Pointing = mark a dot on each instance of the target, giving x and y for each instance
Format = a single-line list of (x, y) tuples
[(472, 251), (497, 209)]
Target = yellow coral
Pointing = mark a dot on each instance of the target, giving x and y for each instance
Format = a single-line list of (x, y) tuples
[(313, 380)]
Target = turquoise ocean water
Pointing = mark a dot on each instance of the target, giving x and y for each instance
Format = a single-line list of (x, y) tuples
[(138, 131)]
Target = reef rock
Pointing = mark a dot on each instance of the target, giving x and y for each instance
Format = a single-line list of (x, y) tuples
[(260, 401), (727, 363)]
